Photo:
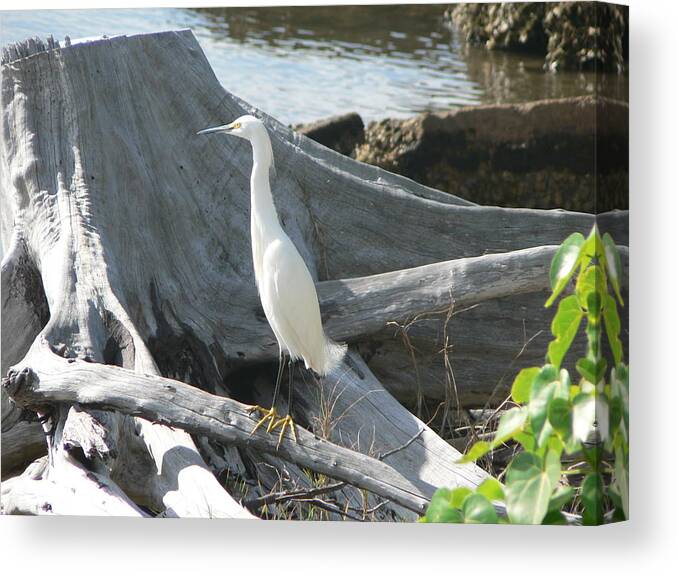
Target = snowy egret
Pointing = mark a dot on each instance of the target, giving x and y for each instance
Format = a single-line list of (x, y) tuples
[(285, 285)]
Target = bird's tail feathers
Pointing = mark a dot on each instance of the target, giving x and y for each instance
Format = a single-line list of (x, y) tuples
[(334, 354)]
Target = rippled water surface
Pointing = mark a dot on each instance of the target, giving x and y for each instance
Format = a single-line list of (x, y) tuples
[(305, 63)]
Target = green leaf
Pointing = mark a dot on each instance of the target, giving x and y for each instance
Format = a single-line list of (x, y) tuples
[(593, 455), (623, 375), (583, 415), (544, 435), (560, 417), (509, 424), (590, 370), (492, 489), (618, 511), (592, 331), (619, 386), (564, 263), (440, 510), (587, 369), (592, 489), (560, 498), (603, 416), (589, 249), (612, 327), (521, 466), (616, 413), (458, 496), (621, 478), (564, 384), (552, 467), (564, 327), (547, 373), (526, 439), (556, 444), (522, 384), (477, 509), (554, 517), (594, 306), (543, 390), (619, 382), (528, 489), (590, 281), (478, 449), (613, 264)]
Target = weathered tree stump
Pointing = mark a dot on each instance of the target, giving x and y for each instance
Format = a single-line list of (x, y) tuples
[(127, 271)]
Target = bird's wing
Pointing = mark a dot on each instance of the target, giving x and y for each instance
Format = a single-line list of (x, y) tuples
[(293, 302)]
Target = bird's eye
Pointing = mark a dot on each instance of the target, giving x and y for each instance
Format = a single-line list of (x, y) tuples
[(236, 126)]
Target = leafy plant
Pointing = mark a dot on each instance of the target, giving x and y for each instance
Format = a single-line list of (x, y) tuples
[(582, 425)]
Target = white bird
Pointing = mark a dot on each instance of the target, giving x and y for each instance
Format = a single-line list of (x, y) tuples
[(285, 285)]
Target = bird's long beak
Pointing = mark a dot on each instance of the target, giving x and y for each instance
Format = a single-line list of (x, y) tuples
[(224, 128)]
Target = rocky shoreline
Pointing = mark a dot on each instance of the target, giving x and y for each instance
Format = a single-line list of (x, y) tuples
[(570, 35), (569, 153)]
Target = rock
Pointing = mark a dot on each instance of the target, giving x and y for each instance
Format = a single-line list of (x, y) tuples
[(508, 26), (545, 154), (586, 35), (572, 35), (340, 133)]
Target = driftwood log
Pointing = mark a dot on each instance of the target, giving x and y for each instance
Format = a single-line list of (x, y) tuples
[(132, 333)]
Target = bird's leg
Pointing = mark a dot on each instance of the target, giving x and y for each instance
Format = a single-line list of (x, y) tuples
[(278, 379), (290, 367), (287, 421), (271, 415)]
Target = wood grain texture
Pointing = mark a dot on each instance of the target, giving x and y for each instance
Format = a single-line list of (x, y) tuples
[(21, 444), (358, 307), (79, 492), (161, 400)]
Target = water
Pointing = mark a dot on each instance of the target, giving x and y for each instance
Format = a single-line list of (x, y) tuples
[(305, 63)]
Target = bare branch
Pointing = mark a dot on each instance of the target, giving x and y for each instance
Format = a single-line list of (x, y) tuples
[(405, 445), (283, 496), (53, 379), (360, 306), (327, 506)]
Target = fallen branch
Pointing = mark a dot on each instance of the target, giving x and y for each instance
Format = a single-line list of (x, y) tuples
[(357, 307), (284, 496), (177, 404), (304, 494), (67, 489)]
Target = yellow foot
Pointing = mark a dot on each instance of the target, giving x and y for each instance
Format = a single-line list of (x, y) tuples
[(274, 421)]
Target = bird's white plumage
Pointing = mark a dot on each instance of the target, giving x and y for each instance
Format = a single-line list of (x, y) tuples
[(289, 293), (285, 285)]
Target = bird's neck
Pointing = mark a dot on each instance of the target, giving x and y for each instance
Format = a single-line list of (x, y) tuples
[(263, 208)]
